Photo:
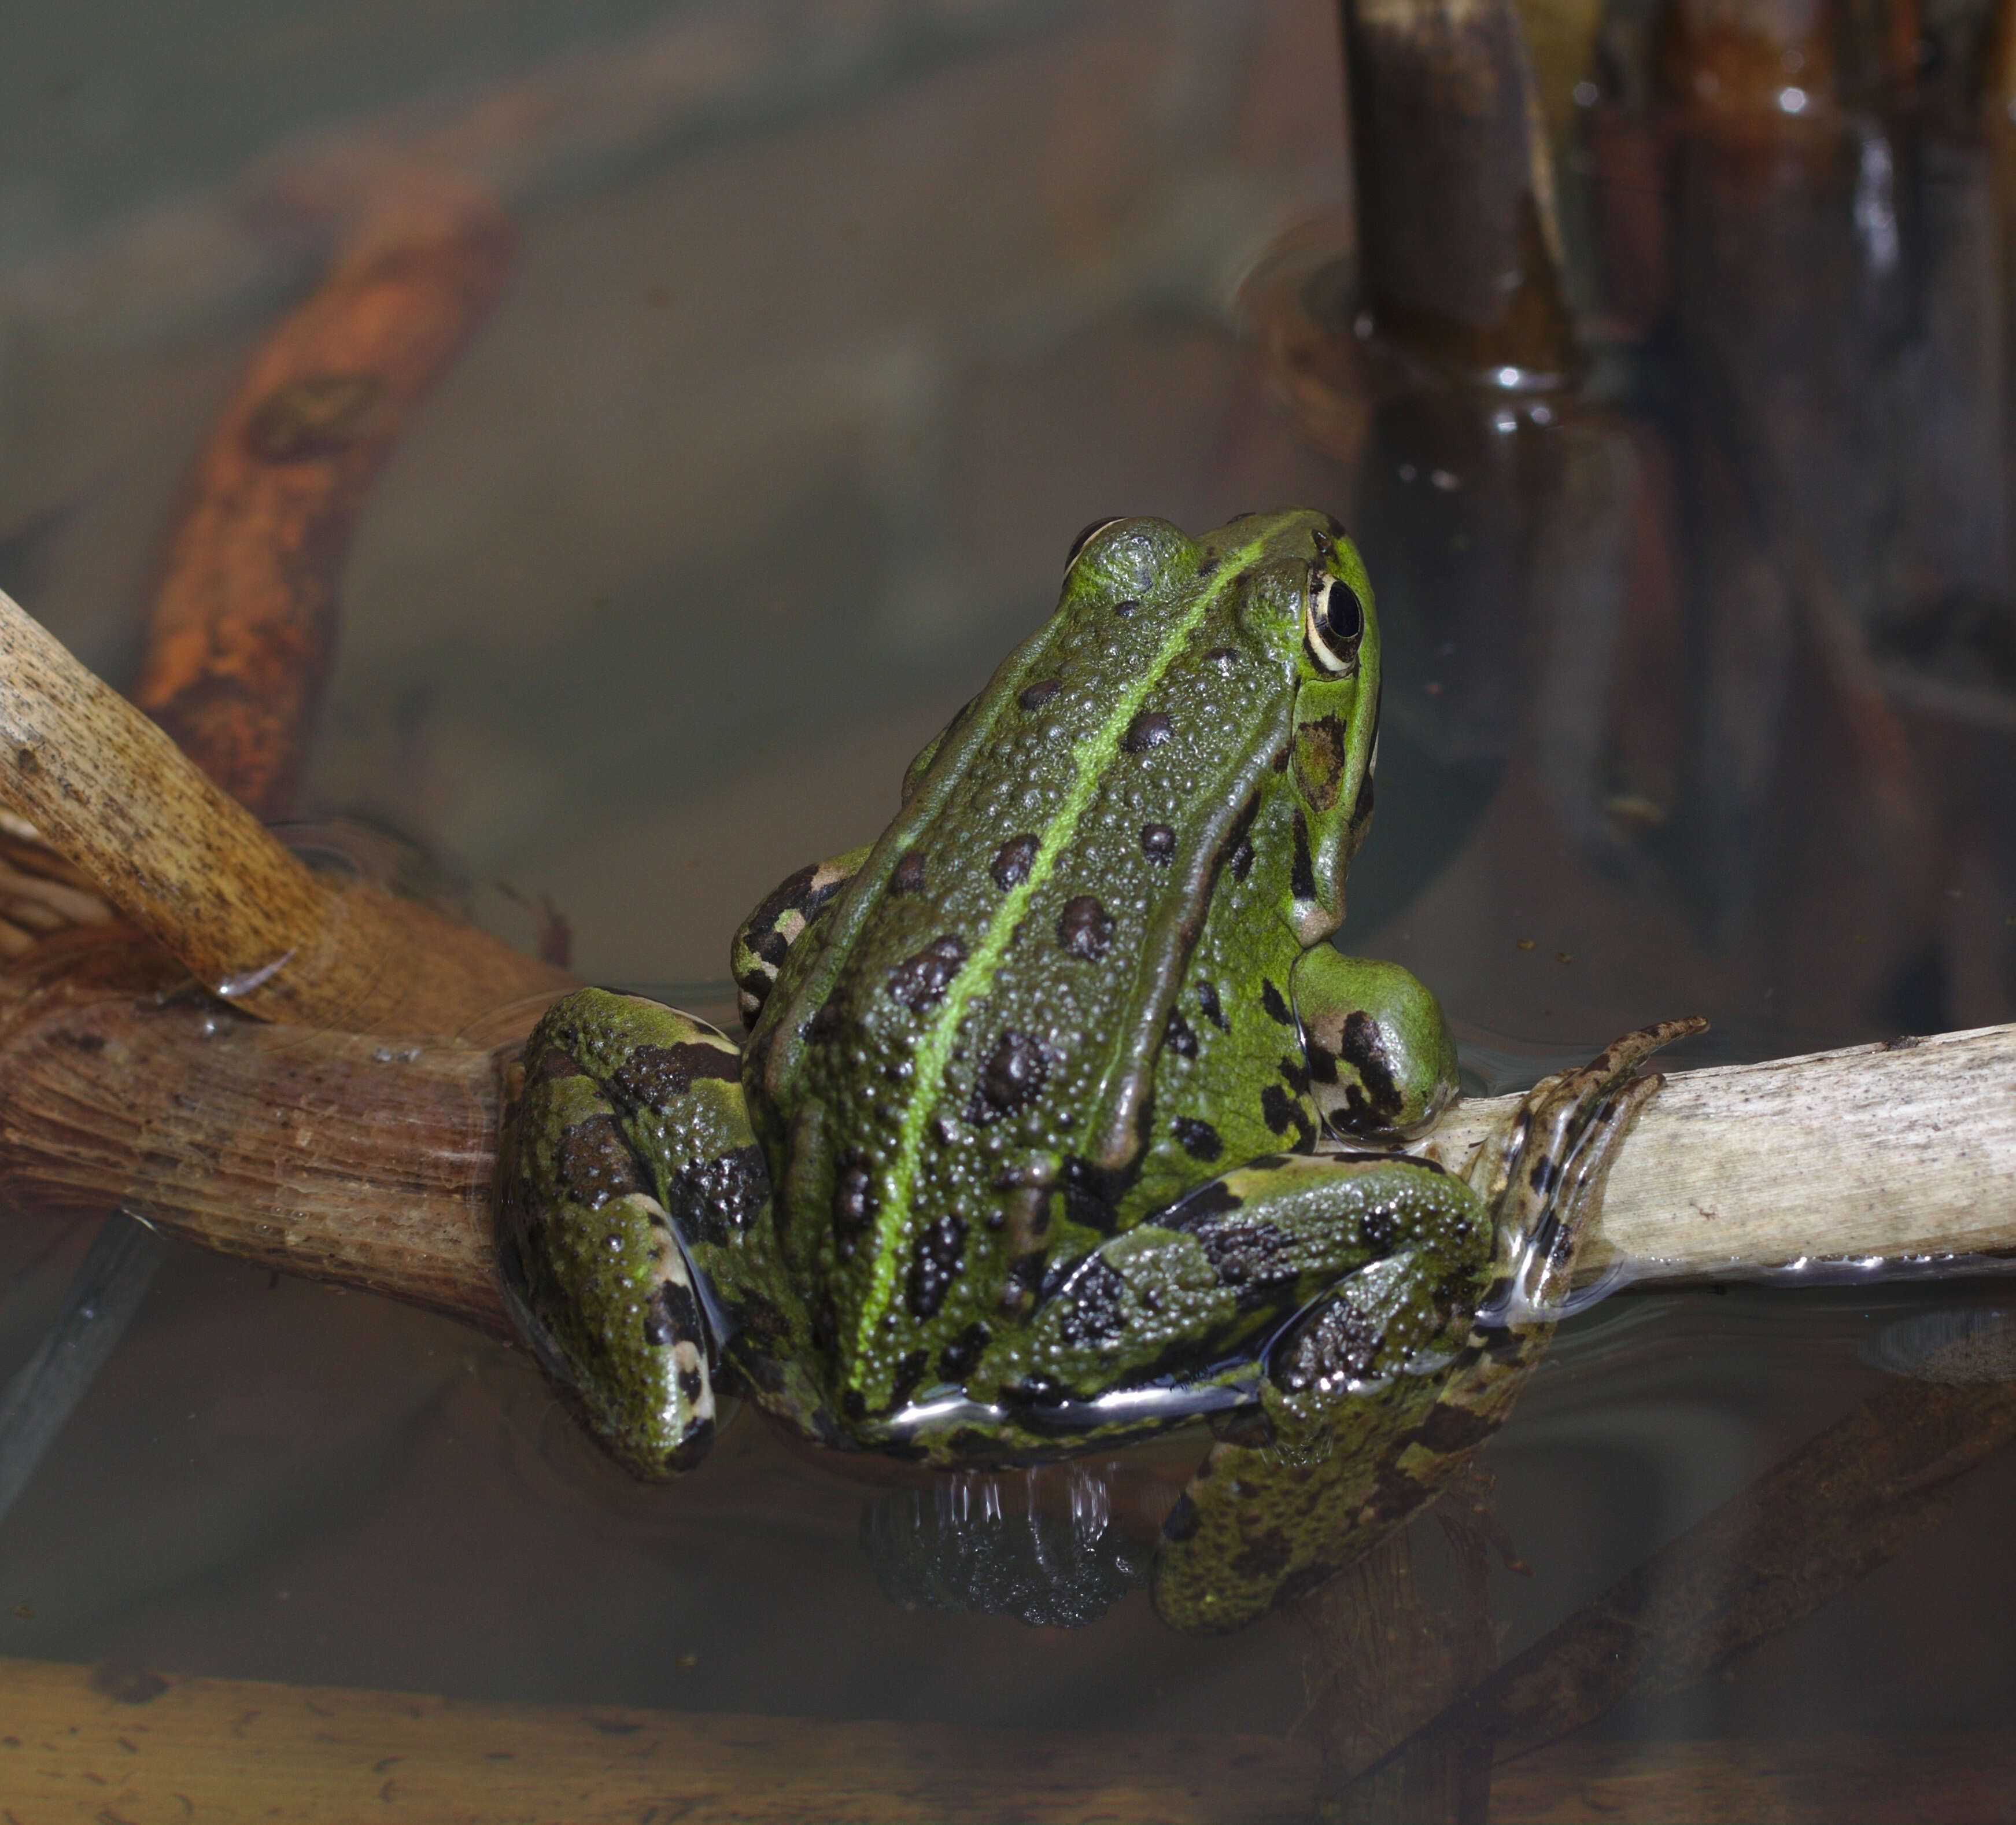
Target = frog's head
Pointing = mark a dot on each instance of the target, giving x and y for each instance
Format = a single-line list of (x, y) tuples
[(1291, 589)]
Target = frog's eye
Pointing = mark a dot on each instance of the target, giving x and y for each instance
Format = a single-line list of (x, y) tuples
[(1086, 537), (1336, 621)]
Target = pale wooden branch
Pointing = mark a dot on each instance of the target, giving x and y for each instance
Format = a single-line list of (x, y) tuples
[(1907, 1148), (183, 860), (371, 1164)]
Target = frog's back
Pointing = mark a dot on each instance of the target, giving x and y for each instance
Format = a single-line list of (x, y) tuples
[(960, 1075)]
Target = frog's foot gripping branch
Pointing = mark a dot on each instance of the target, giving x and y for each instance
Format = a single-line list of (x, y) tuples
[(1263, 1522), (1542, 1175)]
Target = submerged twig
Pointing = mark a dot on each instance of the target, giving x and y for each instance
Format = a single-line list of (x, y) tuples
[(102, 1298), (244, 624), (1814, 1525)]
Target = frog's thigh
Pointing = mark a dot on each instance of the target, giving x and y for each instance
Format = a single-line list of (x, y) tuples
[(621, 1104), (764, 938), (1382, 1063), (1396, 1244)]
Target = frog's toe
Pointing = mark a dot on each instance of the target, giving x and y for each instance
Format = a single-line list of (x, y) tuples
[(1542, 1172)]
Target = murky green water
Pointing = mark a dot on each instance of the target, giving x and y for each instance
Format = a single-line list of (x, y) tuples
[(828, 327)]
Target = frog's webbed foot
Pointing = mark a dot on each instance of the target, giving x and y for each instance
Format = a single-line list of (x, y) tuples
[(1301, 1487), (764, 940), (1542, 1175)]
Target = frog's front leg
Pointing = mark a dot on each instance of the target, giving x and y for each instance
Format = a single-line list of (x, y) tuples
[(628, 1172), (1263, 1520), (1382, 1063)]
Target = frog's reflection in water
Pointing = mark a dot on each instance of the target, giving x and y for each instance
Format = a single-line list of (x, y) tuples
[(1054, 1546)]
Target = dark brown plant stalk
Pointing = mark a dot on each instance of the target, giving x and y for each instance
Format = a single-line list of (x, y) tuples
[(1812, 1526)]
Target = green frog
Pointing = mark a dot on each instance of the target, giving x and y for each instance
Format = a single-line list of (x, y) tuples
[(1021, 1156)]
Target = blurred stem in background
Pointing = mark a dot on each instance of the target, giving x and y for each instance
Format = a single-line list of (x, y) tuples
[(1671, 362)]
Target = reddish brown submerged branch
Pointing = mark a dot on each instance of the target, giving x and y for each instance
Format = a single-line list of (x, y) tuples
[(244, 625)]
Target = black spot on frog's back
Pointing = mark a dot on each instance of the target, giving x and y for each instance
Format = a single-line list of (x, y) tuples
[(1150, 729), (920, 981), (1197, 1138), (907, 876), (934, 1264), (1085, 928), (1015, 1072), (854, 1199), (1010, 865)]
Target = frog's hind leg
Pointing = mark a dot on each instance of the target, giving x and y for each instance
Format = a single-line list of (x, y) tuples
[(627, 1164), (764, 938), (1268, 1517)]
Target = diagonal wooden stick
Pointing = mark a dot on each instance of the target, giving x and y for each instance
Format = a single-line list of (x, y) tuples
[(187, 863)]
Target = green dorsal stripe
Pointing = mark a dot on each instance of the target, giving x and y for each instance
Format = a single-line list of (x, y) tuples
[(1090, 757)]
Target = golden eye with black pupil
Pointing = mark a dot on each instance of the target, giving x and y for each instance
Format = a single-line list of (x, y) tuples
[(1334, 623), (1086, 537)]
